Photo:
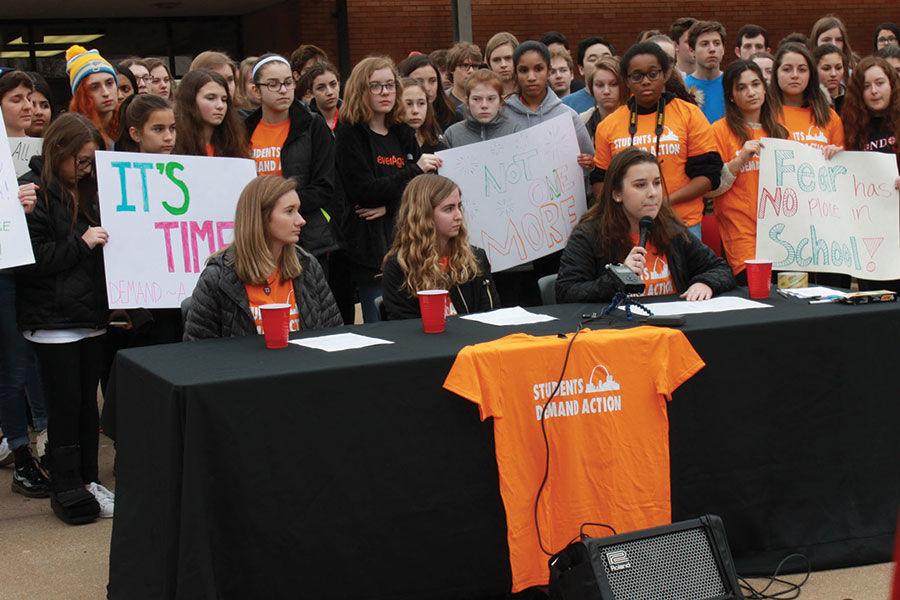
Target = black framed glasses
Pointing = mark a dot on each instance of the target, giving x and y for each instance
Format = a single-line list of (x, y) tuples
[(273, 85), (378, 87), (638, 77)]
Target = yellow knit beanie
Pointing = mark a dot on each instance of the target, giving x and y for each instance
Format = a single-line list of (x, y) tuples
[(80, 63)]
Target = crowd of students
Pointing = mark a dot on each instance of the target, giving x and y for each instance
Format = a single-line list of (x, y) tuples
[(348, 205)]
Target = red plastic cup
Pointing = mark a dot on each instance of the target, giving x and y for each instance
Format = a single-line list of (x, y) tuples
[(759, 277), (276, 324), (433, 306)]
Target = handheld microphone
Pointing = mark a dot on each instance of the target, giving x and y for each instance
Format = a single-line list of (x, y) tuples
[(646, 226)]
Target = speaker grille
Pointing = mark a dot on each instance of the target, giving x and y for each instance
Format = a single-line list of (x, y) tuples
[(672, 566)]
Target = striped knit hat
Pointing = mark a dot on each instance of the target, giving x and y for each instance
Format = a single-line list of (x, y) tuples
[(80, 63)]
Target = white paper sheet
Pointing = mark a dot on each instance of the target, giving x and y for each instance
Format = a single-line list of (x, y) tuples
[(683, 307), (509, 316), (340, 341), (811, 293)]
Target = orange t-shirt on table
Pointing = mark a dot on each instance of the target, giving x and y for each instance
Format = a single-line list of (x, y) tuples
[(736, 208), (274, 291), (607, 427), (686, 133), (265, 146)]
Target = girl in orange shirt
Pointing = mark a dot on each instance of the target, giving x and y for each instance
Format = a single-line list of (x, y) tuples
[(671, 261), (800, 104), (807, 115), (748, 118), (657, 121), (206, 121)]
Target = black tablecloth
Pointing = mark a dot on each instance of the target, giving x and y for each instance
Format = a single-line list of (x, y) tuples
[(247, 473)]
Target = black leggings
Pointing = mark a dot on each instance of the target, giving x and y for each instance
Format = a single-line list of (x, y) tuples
[(71, 373)]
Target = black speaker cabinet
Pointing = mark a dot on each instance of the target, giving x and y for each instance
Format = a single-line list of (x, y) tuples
[(689, 560)]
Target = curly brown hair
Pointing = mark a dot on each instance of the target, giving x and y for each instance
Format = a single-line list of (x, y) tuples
[(857, 117)]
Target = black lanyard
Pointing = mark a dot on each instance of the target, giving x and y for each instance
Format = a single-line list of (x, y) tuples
[(660, 121)]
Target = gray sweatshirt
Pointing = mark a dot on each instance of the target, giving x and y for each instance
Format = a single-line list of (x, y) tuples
[(551, 107), (471, 130)]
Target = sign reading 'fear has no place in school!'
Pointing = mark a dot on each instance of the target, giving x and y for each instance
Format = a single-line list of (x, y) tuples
[(165, 215), (835, 216)]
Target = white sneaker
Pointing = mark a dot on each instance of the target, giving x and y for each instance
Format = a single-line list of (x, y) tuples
[(40, 442), (105, 498), (6, 455)]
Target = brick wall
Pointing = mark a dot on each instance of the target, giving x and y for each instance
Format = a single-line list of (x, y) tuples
[(395, 27)]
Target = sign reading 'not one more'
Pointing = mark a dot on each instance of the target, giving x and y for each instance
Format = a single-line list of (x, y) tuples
[(166, 214)]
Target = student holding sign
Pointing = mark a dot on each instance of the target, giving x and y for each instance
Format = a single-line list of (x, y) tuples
[(207, 123), (376, 156), (674, 130), (287, 139), (671, 262), (748, 119), (95, 92), (872, 122), (263, 265), (801, 106), (431, 251), (63, 312)]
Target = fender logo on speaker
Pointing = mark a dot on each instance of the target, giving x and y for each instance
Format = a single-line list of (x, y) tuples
[(618, 560)]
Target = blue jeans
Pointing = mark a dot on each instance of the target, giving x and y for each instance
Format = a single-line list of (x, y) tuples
[(18, 373), (695, 231), (368, 291)]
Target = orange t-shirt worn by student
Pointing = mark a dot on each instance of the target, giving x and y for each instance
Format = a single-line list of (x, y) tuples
[(265, 146), (274, 291), (656, 276), (607, 428), (736, 208), (686, 133), (210, 150), (801, 126)]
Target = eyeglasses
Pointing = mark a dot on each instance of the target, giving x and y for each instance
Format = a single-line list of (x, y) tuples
[(891, 39), (468, 66), (378, 87), (82, 163), (638, 77), (145, 78), (273, 85)]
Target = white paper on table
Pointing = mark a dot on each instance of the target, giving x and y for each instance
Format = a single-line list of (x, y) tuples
[(340, 341), (509, 316), (811, 293), (683, 307)]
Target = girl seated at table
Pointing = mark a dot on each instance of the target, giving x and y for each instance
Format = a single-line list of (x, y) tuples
[(431, 251), (263, 265), (671, 262)]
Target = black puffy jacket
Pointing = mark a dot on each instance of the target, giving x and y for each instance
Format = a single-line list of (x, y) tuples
[(477, 295), (65, 288), (220, 306), (308, 156), (583, 276)]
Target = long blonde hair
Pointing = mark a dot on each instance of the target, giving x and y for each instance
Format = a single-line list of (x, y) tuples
[(253, 261), (415, 240), (357, 107)]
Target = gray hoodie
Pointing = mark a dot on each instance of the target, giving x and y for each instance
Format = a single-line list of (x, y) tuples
[(551, 107), (471, 130)]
